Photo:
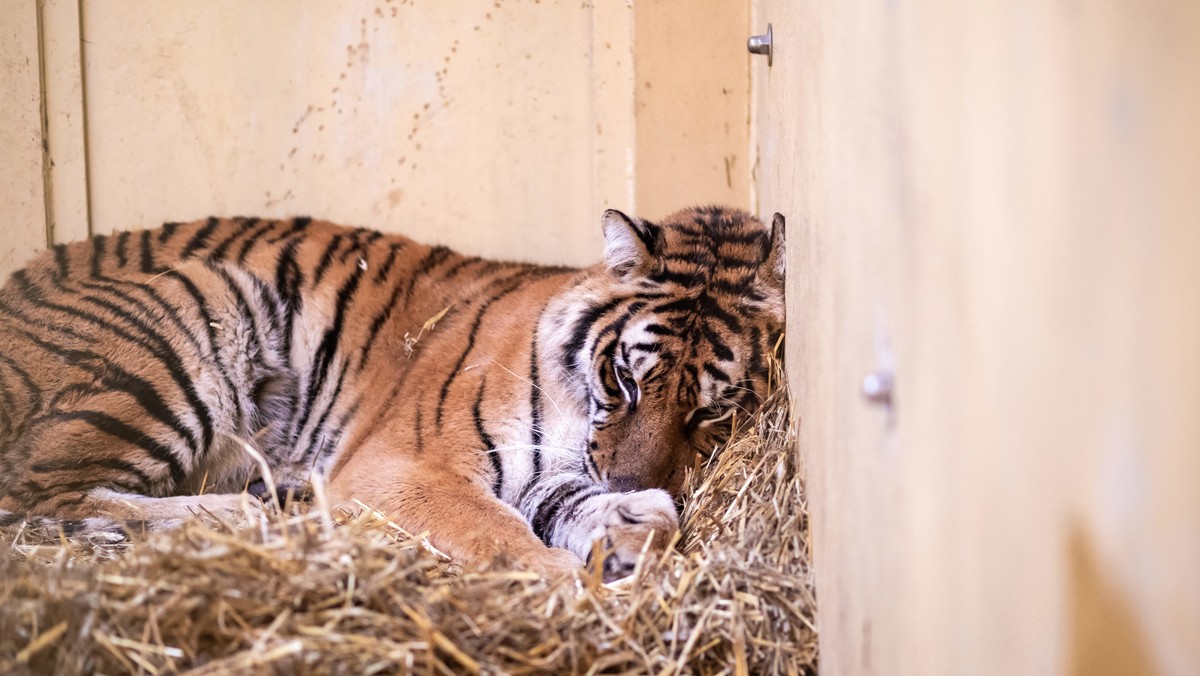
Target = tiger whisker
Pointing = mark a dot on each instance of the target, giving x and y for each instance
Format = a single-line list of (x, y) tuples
[(539, 388)]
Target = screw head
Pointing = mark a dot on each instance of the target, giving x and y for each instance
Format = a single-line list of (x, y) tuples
[(762, 44), (877, 387)]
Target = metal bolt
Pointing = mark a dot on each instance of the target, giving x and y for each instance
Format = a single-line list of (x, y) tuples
[(761, 44), (877, 387)]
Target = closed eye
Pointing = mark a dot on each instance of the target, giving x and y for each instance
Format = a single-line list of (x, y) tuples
[(707, 415), (628, 384)]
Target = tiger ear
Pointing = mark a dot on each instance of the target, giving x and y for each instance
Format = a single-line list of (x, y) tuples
[(630, 244), (775, 263)]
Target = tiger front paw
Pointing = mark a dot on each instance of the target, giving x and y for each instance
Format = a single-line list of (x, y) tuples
[(631, 523)]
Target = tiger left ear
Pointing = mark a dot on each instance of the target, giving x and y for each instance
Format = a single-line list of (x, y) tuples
[(776, 258), (630, 244)]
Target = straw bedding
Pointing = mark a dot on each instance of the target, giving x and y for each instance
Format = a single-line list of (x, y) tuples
[(336, 593)]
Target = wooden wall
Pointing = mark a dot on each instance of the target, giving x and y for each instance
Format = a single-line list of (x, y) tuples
[(998, 202), (501, 127)]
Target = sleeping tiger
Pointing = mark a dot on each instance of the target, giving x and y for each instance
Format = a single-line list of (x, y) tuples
[(544, 409)]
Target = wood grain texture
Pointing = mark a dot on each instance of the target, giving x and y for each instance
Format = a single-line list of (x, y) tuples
[(999, 201), (22, 197)]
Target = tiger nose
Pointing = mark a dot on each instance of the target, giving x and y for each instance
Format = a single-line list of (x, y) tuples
[(624, 484)]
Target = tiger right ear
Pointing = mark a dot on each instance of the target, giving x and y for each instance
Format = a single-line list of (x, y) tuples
[(630, 244), (774, 259)]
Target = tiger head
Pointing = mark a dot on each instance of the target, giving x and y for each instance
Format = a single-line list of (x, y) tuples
[(667, 343)]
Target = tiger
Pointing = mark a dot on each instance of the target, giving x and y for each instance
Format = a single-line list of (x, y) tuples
[(506, 409)]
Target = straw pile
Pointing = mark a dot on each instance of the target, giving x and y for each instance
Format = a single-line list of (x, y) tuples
[(300, 594)]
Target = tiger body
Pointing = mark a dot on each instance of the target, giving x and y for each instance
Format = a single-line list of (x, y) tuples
[(142, 373)]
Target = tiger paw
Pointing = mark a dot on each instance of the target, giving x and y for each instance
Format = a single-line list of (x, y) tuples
[(553, 562), (633, 522)]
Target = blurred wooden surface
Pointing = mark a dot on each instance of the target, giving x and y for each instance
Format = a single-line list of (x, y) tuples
[(1001, 203), (22, 190), (500, 128)]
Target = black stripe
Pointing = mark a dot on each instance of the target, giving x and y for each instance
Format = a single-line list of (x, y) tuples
[(445, 391), (327, 258), (429, 261), (31, 387), (10, 404), (78, 464), (711, 309), (153, 342), (328, 347), (113, 377), (299, 225), (98, 253), (200, 303), (420, 432), (435, 257), (459, 266), (570, 509), (386, 268), (117, 288), (220, 251), (164, 352), (147, 254), (116, 428), (688, 279), (583, 325), (200, 239), (122, 249), (377, 324), (616, 326), (543, 517), (757, 367), (246, 311), (716, 373), (61, 260), (535, 404), (167, 232), (497, 466), (253, 239), (718, 345), (324, 418), (288, 282)]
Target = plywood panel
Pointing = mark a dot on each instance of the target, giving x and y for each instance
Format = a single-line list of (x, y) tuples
[(501, 128), (464, 122), (62, 75), (22, 199), (692, 104), (999, 200)]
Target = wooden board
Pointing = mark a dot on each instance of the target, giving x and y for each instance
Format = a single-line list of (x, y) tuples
[(22, 198), (999, 203)]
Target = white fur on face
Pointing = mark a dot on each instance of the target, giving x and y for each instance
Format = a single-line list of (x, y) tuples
[(640, 361)]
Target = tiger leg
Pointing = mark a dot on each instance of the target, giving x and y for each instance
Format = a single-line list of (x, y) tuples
[(101, 464), (574, 512), (168, 511), (464, 519), (113, 513)]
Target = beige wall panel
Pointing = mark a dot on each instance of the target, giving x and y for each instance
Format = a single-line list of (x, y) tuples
[(692, 103), (22, 198), (613, 83), (467, 122), (62, 73), (1002, 196), (831, 175)]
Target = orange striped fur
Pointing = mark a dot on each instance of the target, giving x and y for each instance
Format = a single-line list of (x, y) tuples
[(545, 408)]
